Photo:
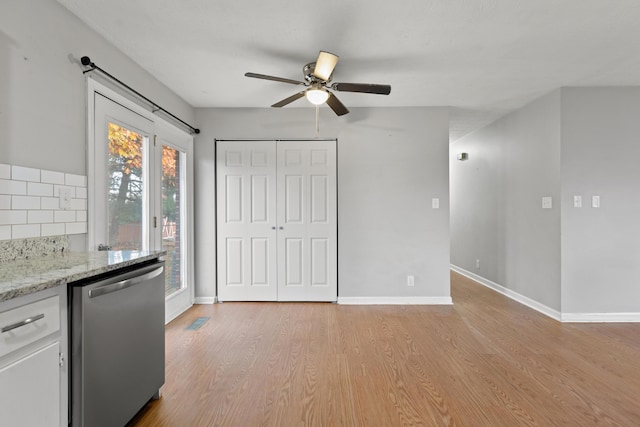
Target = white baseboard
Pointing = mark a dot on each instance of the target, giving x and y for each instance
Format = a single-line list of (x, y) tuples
[(547, 311), (601, 317), (205, 300), (395, 300), (170, 316), (367, 300), (554, 314)]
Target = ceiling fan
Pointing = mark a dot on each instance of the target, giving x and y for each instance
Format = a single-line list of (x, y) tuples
[(317, 80)]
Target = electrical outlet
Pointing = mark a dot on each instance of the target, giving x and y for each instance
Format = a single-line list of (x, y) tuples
[(477, 263), (411, 281)]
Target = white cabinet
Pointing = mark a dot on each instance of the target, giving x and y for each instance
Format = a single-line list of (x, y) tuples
[(33, 381), (30, 389)]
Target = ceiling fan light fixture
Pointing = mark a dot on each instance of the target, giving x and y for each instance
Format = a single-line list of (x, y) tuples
[(317, 96), (325, 64)]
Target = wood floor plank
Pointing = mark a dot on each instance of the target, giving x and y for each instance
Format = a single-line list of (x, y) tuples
[(485, 361)]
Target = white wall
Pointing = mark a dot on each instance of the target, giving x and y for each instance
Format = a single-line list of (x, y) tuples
[(583, 262), (600, 154), (496, 212), (42, 88), (391, 163)]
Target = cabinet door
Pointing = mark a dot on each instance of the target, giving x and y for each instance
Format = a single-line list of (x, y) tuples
[(30, 389)]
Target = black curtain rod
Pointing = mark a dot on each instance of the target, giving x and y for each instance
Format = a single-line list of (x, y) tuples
[(86, 61)]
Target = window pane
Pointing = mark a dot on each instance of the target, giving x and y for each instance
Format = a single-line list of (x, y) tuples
[(126, 189), (172, 200)]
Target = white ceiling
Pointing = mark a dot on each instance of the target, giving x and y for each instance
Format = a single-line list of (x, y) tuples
[(483, 58)]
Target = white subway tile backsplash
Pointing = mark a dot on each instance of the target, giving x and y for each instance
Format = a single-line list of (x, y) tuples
[(81, 192), (52, 177), (25, 202), (52, 229), (5, 171), (19, 173), (64, 216), (5, 232), (76, 227), (79, 204), (25, 231), (37, 189), (75, 180), (30, 205), (39, 217), (13, 217), (49, 203), (5, 202), (13, 187), (56, 190)]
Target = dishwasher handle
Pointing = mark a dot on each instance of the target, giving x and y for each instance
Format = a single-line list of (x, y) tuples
[(115, 287)]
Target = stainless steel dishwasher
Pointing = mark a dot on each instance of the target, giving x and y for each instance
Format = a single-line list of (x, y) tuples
[(117, 346)]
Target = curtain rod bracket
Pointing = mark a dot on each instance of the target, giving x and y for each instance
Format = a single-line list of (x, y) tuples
[(86, 61)]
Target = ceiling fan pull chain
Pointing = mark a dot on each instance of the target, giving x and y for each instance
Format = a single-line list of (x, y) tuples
[(317, 119)]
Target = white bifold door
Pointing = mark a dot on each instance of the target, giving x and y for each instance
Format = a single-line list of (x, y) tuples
[(276, 220)]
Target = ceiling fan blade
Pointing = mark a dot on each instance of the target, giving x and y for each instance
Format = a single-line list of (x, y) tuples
[(275, 79), (325, 64), (288, 100), (362, 87), (337, 106)]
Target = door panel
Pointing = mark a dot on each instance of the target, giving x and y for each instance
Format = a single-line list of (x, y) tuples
[(319, 199), (308, 218), (246, 185), (175, 169), (319, 261), (259, 201), (234, 199), (293, 198), (259, 262), (293, 262), (234, 255)]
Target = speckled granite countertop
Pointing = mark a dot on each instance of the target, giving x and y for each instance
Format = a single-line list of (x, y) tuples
[(23, 277)]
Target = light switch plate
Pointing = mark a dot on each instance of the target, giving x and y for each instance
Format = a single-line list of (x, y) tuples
[(577, 201), (547, 203), (435, 203), (595, 201)]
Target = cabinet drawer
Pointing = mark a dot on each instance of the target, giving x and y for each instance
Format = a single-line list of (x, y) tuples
[(28, 323)]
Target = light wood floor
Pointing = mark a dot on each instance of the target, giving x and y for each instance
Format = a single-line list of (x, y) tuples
[(485, 361)]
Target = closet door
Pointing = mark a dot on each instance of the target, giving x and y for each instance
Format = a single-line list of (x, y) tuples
[(246, 219), (307, 221)]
